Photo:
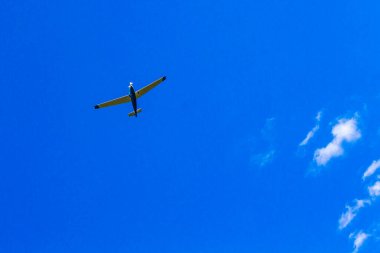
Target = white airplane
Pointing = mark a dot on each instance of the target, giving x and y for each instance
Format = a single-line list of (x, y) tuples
[(132, 97)]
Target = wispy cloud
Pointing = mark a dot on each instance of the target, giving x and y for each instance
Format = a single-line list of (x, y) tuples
[(351, 212), (371, 169), (359, 239), (311, 133), (345, 130), (319, 116), (374, 190), (264, 158)]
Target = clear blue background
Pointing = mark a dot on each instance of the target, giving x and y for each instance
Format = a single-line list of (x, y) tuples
[(244, 77)]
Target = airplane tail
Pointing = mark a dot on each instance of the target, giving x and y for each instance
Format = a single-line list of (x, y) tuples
[(133, 113)]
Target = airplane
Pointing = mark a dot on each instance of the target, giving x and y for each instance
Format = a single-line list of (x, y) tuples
[(132, 97)]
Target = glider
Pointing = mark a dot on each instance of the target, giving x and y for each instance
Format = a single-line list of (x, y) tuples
[(132, 97)]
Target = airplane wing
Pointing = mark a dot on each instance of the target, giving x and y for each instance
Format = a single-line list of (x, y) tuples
[(120, 100), (150, 86)]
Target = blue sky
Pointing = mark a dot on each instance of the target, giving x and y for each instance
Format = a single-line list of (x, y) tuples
[(214, 163)]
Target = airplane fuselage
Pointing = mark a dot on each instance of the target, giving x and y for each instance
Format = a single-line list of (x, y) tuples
[(132, 95)]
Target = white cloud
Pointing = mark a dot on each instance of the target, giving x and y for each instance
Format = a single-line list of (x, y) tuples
[(311, 133), (345, 130), (359, 239), (352, 211), (371, 169), (374, 190), (323, 155)]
